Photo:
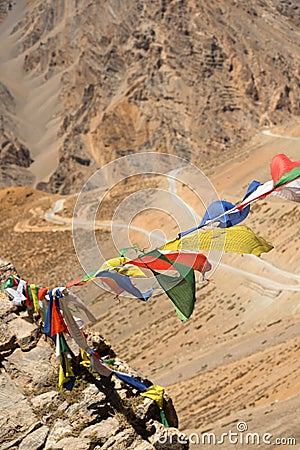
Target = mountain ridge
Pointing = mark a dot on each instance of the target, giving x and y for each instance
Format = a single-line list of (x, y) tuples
[(176, 76)]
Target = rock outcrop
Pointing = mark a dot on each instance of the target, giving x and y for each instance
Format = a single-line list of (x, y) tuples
[(99, 412), (5, 6), (193, 79), (15, 157)]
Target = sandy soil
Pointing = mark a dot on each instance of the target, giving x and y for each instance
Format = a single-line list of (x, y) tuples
[(37, 105)]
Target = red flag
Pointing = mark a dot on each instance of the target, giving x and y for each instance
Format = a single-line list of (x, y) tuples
[(197, 261), (284, 170), (42, 292), (57, 322), (28, 299)]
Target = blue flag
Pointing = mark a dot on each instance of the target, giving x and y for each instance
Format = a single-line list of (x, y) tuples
[(47, 324), (124, 282), (217, 211), (128, 379)]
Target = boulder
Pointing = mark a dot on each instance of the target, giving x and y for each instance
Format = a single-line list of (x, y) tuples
[(16, 415), (60, 430), (31, 370), (26, 333), (72, 443), (35, 440), (101, 431), (144, 445), (121, 441), (44, 400), (7, 340), (6, 306)]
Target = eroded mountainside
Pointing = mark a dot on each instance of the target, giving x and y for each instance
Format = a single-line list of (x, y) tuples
[(86, 82)]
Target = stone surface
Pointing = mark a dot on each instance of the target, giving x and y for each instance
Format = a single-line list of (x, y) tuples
[(15, 442), (121, 441), (6, 306), (26, 333), (60, 429), (44, 400), (87, 407), (32, 369), (7, 339), (15, 412), (137, 445), (147, 410), (35, 440), (71, 443), (91, 394)]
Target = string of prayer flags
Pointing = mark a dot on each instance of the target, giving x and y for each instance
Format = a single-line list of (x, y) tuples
[(283, 171), (182, 254)]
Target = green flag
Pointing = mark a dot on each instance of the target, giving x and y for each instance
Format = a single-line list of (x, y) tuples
[(8, 283), (180, 289)]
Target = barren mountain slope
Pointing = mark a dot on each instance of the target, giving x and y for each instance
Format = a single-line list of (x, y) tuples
[(88, 82)]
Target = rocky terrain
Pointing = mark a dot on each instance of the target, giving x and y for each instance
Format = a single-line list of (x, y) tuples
[(83, 83), (98, 413)]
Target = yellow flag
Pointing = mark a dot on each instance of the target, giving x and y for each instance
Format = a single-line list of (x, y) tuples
[(35, 298), (131, 271), (66, 376), (85, 359), (156, 393), (237, 239)]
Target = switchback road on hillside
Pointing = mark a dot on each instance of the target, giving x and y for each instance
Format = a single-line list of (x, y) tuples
[(272, 284)]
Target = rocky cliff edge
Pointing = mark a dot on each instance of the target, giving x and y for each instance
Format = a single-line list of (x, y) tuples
[(99, 413)]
